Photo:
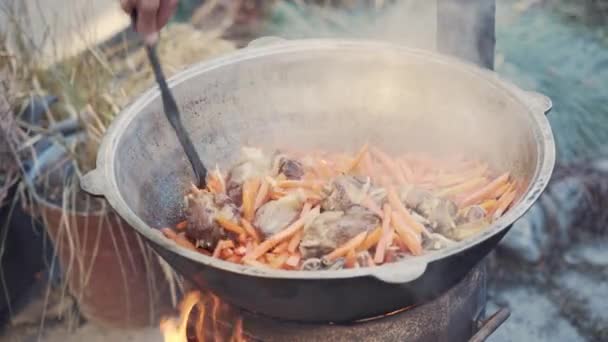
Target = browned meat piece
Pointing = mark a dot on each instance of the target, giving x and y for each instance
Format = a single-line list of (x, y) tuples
[(274, 216), (347, 191), (253, 163), (292, 169), (439, 212), (333, 228), (202, 209), (472, 214)]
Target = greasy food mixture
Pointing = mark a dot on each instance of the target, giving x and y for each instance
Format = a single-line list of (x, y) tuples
[(318, 210)]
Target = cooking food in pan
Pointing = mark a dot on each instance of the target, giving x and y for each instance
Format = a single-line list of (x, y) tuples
[(321, 210)]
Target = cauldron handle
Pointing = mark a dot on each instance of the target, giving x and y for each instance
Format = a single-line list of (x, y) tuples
[(93, 182), (399, 272)]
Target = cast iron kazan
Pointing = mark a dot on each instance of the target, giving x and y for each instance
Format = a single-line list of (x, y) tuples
[(328, 94)]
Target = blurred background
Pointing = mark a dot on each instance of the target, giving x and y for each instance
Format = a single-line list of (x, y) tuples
[(67, 67)]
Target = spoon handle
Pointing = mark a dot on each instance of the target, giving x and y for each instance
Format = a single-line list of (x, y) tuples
[(172, 113)]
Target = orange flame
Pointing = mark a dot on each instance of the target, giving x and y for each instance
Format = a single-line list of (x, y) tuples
[(176, 329)]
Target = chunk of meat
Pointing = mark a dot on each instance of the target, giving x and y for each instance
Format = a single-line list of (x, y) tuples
[(472, 214), (253, 163), (347, 191), (202, 207), (440, 213), (274, 216), (292, 169), (333, 228)]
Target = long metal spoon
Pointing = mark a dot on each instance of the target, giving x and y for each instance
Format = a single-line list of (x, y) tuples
[(172, 112)]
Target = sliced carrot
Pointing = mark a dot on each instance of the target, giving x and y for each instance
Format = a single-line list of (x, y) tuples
[(218, 249), (350, 259), (226, 253), (392, 167), (293, 261), (284, 234), (230, 226), (182, 225), (461, 187), (489, 205), (295, 241), (394, 201), (406, 170), (169, 233), (308, 184), (282, 247), (386, 235), (251, 231), (342, 250), (371, 240), (411, 240), (279, 260), (486, 191), (182, 241), (355, 163), (250, 188), (262, 195), (503, 189), (453, 179), (503, 203)]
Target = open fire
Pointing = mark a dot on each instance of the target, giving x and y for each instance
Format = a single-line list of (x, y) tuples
[(203, 318)]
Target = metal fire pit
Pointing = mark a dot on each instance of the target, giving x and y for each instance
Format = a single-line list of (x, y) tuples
[(457, 315)]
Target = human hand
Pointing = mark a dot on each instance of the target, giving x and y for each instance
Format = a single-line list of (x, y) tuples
[(152, 15)]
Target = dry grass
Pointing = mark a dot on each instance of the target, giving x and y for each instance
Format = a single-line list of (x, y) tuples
[(92, 88)]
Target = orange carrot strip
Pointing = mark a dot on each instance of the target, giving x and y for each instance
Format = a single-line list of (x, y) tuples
[(251, 231), (218, 249), (310, 184), (408, 237), (448, 180), (350, 244), (282, 247), (182, 241), (226, 253), (371, 205), (293, 261), (462, 187), (279, 260), (353, 165), (230, 226), (284, 234), (182, 225), (406, 170), (169, 233), (489, 205), (503, 203), (368, 167), (262, 195), (371, 240), (250, 188), (393, 168), (394, 201), (486, 191), (386, 235), (295, 241), (350, 259)]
